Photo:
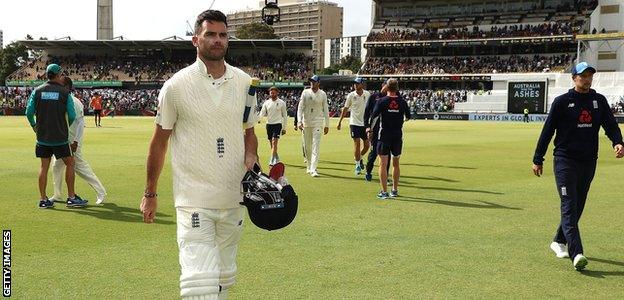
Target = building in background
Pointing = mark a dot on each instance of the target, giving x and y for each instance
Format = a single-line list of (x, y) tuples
[(338, 48), (1, 40), (300, 19), (604, 46)]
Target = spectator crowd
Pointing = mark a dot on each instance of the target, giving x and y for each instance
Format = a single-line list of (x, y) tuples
[(287, 67), (497, 31), (121, 100), (467, 65), (126, 100)]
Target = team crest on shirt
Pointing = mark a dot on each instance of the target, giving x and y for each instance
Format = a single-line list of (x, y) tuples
[(393, 106), (195, 220), (220, 147), (585, 119)]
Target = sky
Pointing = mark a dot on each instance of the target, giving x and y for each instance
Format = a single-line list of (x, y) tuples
[(135, 19)]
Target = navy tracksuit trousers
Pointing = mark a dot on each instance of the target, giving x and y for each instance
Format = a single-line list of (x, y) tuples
[(372, 156), (573, 178)]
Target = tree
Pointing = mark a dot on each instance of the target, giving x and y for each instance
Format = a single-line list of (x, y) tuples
[(258, 31), (330, 70), (350, 63), (11, 59), (346, 63)]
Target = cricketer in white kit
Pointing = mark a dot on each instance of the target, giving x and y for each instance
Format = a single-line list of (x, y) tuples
[(81, 166), (207, 112), (313, 116)]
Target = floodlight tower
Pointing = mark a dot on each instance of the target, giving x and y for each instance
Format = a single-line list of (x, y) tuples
[(104, 19)]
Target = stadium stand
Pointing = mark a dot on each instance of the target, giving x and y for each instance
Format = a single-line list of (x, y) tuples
[(119, 100), (419, 100), (472, 32), (14, 97), (468, 64), (463, 44), (463, 16), (128, 74), (451, 56), (155, 68), (475, 37), (123, 101)]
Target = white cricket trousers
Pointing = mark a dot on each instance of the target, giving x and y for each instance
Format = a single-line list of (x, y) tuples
[(82, 168), (208, 241), (312, 144)]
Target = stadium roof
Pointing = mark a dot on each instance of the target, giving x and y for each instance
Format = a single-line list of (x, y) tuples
[(159, 44), (478, 41), (601, 36)]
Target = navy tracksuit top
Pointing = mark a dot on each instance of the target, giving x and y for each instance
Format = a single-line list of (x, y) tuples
[(577, 117)]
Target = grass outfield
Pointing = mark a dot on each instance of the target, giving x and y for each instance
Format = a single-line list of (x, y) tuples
[(472, 221)]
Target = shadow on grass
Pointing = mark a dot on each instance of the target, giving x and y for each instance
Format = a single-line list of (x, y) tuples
[(407, 164), (114, 212), (607, 261), (319, 168), (433, 178), (116, 127), (336, 163), (458, 190), (403, 183), (442, 166), (601, 274), (406, 184), (411, 185), (484, 205)]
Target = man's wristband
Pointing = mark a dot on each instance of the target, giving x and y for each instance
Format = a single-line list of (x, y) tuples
[(149, 195)]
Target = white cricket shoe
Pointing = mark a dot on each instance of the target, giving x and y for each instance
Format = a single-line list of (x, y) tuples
[(561, 250), (580, 262), (314, 174), (100, 198)]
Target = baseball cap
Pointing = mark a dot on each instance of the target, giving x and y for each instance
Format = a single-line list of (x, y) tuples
[(315, 78), (359, 80), (53, 69), (582, 67)]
